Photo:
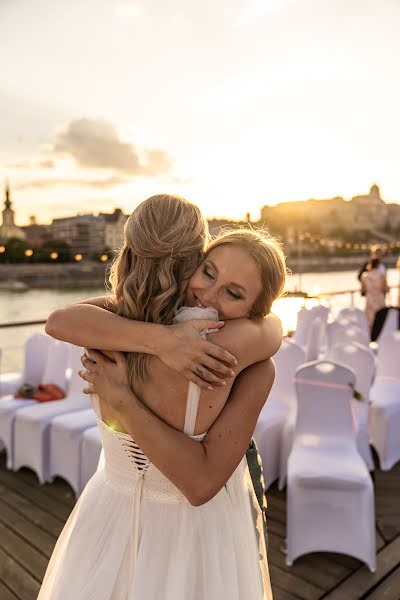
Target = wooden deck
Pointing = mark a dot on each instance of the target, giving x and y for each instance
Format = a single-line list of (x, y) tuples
[(32, 516)]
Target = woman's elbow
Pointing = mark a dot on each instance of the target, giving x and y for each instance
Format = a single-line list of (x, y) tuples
[(53, 325), (201, 494)]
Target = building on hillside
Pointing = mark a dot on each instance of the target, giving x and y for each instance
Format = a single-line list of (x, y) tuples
[(368, 212), (114, 228), (85, 234), (8, 229), (36, 235)]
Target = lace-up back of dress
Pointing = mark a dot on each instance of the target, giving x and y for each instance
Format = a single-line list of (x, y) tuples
[(126, 464)]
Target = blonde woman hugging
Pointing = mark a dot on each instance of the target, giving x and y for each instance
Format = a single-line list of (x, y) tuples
[(183, 373)]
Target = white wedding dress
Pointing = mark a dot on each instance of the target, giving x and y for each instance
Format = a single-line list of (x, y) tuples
[(132, 535)]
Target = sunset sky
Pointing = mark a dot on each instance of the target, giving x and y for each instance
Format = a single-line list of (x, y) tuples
[(232, 103)]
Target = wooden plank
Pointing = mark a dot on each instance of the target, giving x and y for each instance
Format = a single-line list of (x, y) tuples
[(312, 568), (362, 581), (389, 589), (281, 594), (295, 585), (34, 513), (24, 586), (28, 557), (6, 593), (35, 495), (58, 489), (24, 527)]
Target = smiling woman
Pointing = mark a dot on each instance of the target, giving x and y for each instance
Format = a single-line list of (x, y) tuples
[(242, 274)]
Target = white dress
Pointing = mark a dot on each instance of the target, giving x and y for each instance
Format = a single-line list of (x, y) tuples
[(132, 535)]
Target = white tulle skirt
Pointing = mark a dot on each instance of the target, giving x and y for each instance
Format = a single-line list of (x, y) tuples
[(211, 552)]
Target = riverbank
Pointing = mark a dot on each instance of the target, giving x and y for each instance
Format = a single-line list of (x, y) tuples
[(93, 274), (54, 276)]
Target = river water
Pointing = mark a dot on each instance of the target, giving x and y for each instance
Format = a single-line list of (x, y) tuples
[(37, 304)]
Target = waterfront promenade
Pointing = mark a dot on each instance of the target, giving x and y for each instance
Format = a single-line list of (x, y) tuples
[(92, 273), (32, 516)]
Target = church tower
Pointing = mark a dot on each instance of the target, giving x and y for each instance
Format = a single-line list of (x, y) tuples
[(8, 229)]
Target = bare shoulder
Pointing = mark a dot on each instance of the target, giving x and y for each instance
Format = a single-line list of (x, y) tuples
[(250, 340)]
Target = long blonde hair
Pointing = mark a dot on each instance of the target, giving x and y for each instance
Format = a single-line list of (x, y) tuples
[(164, 242), (269, 257)]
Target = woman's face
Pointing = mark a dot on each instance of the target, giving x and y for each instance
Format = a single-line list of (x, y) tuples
[(227, 280)]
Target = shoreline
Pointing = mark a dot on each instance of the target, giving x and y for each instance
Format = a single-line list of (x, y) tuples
[(93, 274)]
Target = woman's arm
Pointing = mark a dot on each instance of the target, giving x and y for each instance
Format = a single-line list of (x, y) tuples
[(199, 470), (385, 286), (92, 324), (250, 340)]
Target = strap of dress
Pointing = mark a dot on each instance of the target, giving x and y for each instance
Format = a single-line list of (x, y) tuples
[(192, 405), (192, 400)]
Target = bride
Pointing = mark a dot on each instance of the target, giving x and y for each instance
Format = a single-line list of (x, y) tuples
[(169, 516)]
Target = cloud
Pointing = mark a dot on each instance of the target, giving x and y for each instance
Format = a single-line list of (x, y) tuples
[(96, 144), (50, 182)]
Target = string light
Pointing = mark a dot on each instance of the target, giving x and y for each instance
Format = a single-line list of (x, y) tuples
[(2, 249), (103, 257), (53, 255), (78, 257), (28, 252)]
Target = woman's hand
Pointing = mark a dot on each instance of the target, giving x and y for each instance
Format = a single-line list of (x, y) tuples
[(183, 349), (107, 375)]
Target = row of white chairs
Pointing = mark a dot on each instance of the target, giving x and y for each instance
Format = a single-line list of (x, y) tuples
[(315, 435), (52, 438), (377, 418)]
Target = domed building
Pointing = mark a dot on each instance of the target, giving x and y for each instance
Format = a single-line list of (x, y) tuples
[(8, 229), (369, 210)]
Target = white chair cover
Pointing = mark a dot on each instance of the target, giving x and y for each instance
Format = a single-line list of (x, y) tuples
[(36, 354), (32, 424), (65, 445), (330, 497), (35, 357), (384, 424), (90, 454), (268, 432), (362, 361), (314, 340), (339, 333), (388, 361), (355, 315), (305, 318)]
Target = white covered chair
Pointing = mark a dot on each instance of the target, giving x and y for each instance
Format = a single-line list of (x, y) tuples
[(90, 455), (65, 445), (384, 422), (268, 432), (330, 496), (355, 315), (314, 340), (362, 361), (347, 334), (305, 318), (36, 356), (32, 424)]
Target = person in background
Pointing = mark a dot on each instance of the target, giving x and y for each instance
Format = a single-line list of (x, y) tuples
[(376, 252), (374, 288)]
